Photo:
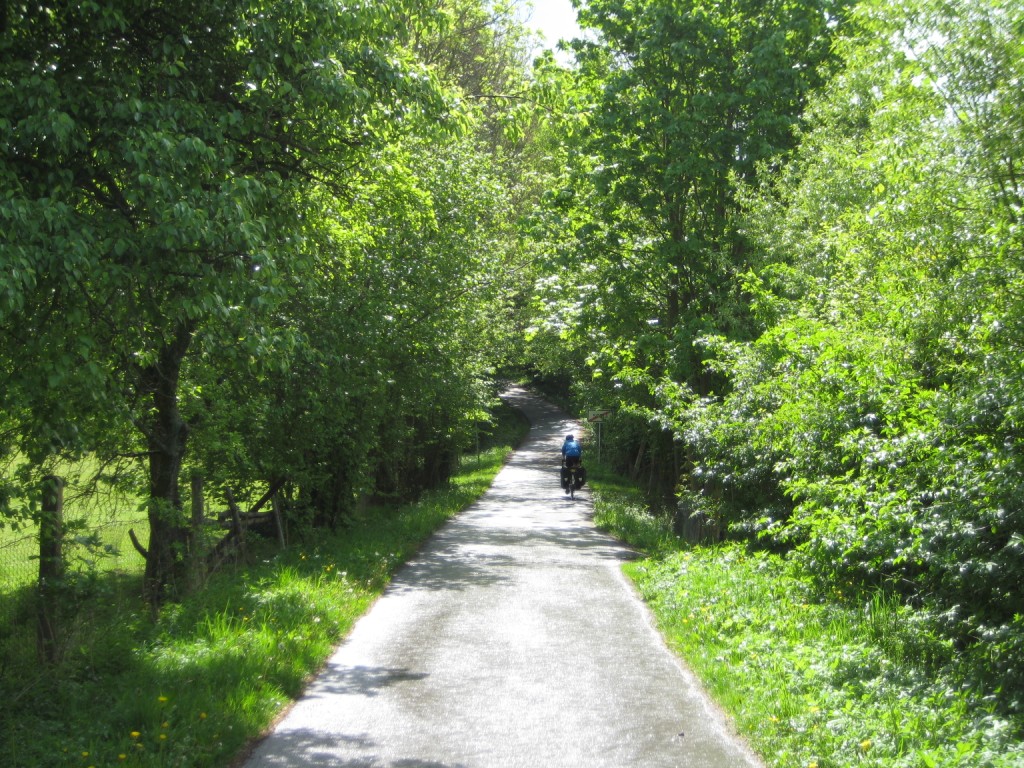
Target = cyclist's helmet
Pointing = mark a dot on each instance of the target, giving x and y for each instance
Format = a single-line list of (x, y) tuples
[(569, 437)]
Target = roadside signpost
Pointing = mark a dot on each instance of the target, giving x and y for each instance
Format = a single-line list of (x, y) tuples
[(596, 417)]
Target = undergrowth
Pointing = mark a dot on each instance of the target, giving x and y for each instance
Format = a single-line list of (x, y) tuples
[(812, 679), (194, 686)]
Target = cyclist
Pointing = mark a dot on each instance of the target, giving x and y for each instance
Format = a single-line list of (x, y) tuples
[(572, 456)]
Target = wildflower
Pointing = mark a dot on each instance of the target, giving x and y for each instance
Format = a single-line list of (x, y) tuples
[(85, 754), (135, 734), (202, 715), (162, 699), (122, 756), (165, 724), (163, 737), (866, 744)]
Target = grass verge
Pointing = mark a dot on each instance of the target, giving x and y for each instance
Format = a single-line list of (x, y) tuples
[(196, 685), (811, 680)]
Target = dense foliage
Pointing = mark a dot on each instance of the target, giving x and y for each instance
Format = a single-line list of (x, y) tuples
[(801, 287), (290, 244), (675, 100), (264, 242), (884, 392)]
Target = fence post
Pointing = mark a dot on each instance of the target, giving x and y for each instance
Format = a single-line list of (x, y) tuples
[(198, 510), (51, 567), (275, 505), (196, 565)]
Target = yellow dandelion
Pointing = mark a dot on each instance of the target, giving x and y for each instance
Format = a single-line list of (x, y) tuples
[(813, 764), (165, 725), (866, 744), (135, 734), (85, 754), (163, 737), (122, 756), (162, 699), (202, 715)]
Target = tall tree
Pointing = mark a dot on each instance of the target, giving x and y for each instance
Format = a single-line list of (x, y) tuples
[(480, 48), (685, 97), (404, 318), (156, 162), (880, 408)]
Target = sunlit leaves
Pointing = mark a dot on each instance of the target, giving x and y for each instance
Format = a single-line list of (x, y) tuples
[(675, 102), (158, 162), (883, 396)]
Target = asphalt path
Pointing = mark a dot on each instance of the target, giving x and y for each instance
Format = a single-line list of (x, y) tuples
[(512, 639)]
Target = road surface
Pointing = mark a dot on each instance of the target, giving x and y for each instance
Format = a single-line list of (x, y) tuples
[(511, 640)]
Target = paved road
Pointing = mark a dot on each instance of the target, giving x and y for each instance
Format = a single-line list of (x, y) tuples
[(512, 640)]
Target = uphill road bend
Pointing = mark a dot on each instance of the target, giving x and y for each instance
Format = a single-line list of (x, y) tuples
[(511, 640)]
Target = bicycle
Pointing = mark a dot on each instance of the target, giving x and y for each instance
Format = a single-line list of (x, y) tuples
[(573, 478)]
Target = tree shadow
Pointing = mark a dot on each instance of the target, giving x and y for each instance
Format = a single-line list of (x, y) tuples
[(307, 747), (360, 681)]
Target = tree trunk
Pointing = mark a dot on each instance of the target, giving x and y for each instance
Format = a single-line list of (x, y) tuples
[(51, 568), (638, 463), (166, 436)]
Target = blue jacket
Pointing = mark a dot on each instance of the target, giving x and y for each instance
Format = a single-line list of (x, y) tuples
[(572, 448)]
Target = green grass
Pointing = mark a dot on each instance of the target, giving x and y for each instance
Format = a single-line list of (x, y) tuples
[(194, 686), (811, 680), (619, 507), (96, 522)]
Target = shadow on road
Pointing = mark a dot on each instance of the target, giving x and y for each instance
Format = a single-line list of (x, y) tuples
[(311, 747), (511, 640), (362, 681)]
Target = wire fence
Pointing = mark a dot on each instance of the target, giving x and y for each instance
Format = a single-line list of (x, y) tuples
[(54, 577), (97, 556), (75, 556)]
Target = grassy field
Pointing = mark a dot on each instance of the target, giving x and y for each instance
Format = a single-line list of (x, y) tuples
[(96, 523), (195, 686), (812, 680)]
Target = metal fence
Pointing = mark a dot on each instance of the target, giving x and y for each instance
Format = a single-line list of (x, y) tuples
[(52, 575), (97, 555)]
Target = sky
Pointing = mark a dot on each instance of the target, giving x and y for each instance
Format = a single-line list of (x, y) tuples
[(554, 19)]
